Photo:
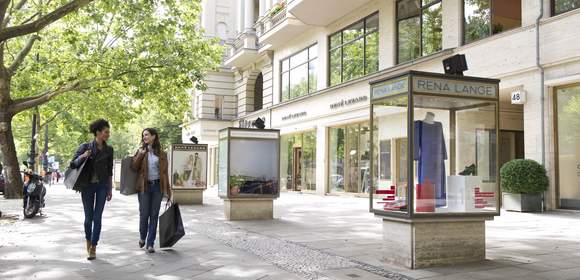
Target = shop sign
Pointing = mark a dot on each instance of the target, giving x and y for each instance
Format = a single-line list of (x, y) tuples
[(294, 116), (248, 123), (348, 102), (392, 87), (253, 134), (189, 147), (454, 87)]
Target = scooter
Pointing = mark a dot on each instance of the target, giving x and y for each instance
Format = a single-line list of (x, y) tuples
[(34, 192)]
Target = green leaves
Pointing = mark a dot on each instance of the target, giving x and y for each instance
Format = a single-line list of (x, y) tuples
[(133, 56)]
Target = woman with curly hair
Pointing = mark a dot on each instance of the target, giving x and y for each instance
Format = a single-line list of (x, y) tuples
[(95, 181)]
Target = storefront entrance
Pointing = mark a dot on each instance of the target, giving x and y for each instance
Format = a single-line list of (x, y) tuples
[(567, 113), (349, 158), (298, 161)]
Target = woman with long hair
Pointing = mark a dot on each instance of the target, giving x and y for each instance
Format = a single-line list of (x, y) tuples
[(95, 181), (150, 161)]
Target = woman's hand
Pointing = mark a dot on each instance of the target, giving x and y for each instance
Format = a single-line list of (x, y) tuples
[(86, 154), (142, 151), (109, 196)]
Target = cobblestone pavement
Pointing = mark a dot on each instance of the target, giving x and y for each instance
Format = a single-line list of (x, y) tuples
[(51, 247), (304, 261), (311, 237)]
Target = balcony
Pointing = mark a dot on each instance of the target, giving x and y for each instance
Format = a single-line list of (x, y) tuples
[(277, 27), (322, 12), (243, 50)]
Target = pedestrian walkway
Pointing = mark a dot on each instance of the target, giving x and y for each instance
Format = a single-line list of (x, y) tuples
[(311, 237)]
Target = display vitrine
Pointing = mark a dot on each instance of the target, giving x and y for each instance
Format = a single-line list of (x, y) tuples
[(435, 150)]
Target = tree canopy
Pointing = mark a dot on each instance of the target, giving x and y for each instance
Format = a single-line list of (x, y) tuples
[(88, 59)]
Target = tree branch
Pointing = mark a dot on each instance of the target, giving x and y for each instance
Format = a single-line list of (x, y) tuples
[(7, 19), (22, 54), (23, 104), (54, 116), (42, 22), (3, 9)]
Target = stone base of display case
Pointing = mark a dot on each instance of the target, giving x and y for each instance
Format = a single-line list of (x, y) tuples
[(420, 243), (188, 196), (249, 209)]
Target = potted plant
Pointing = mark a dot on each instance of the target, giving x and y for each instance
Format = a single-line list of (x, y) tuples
[(277, 8), (523, 181)]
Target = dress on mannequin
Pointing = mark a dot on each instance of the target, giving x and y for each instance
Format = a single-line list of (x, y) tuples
[(430, 152)]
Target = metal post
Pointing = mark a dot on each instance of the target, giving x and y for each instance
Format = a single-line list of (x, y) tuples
[(32, 153)]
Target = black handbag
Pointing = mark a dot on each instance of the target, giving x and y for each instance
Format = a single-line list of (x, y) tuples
[(128, 177), (170, 226)]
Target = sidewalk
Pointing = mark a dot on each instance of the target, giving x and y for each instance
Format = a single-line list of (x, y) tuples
[(311, 237)]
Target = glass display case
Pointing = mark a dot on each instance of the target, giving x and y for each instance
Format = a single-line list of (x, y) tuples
[(188, 166), (435, 145), (248, 163)]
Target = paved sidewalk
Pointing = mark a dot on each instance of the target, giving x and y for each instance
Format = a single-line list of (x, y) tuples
[(311, 237)]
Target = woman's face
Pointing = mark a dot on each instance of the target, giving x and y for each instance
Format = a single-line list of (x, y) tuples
[(148, 138), (104, 133)]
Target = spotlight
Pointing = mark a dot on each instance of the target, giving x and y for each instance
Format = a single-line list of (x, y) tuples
[(259, 123), (455, 65), (193, 139)]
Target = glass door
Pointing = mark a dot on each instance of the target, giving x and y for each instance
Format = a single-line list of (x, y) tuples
[(352, 156), (297, 169), (568, 128)]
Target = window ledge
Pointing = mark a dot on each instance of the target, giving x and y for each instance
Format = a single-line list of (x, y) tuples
[(560, 16)]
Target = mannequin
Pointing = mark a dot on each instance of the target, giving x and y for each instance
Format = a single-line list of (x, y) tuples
[(430, 154), (429, 118)]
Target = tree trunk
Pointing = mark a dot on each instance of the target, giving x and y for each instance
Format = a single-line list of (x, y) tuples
[(14, 183)]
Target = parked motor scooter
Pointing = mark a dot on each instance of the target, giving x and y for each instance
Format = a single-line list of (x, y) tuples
[(34, 192)]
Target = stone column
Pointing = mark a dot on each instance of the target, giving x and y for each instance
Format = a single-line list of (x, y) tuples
[(263, 7), (240, 16), (248, 15), (452, 19)]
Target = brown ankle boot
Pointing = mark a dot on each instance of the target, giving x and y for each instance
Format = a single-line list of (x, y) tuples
[(88, 246), (92, 253)]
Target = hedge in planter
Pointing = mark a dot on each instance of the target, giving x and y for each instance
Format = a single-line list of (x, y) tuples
[(523, 176)]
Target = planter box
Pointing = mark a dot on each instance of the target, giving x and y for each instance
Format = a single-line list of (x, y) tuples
[(522, 202)]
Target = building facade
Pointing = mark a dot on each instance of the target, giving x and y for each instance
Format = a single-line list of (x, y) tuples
[(304, 67)]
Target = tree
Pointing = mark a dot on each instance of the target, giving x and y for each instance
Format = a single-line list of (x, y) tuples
[(85, 59)]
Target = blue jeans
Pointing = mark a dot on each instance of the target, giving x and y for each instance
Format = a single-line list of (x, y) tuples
[(94, 197), (149, 204)]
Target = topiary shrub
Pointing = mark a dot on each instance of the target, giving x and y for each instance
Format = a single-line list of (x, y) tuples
[(523, 176)]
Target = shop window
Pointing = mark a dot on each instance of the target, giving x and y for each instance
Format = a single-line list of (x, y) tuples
[(298, 73), (419, 28), (562, 6), (483, 18), (219, 107), (258, 92), (354, 51)]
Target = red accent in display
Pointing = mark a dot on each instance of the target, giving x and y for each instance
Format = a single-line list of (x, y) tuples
[(425, 197)]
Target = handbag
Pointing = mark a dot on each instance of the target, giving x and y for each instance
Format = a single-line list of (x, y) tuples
[(72, 175), (170, 226), (128, 177)]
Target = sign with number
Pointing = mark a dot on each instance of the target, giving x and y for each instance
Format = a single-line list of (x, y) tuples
[(518, 97)]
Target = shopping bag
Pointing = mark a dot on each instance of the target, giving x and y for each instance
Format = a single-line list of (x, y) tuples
[(72, 175), (170, 226), (128, 177)]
